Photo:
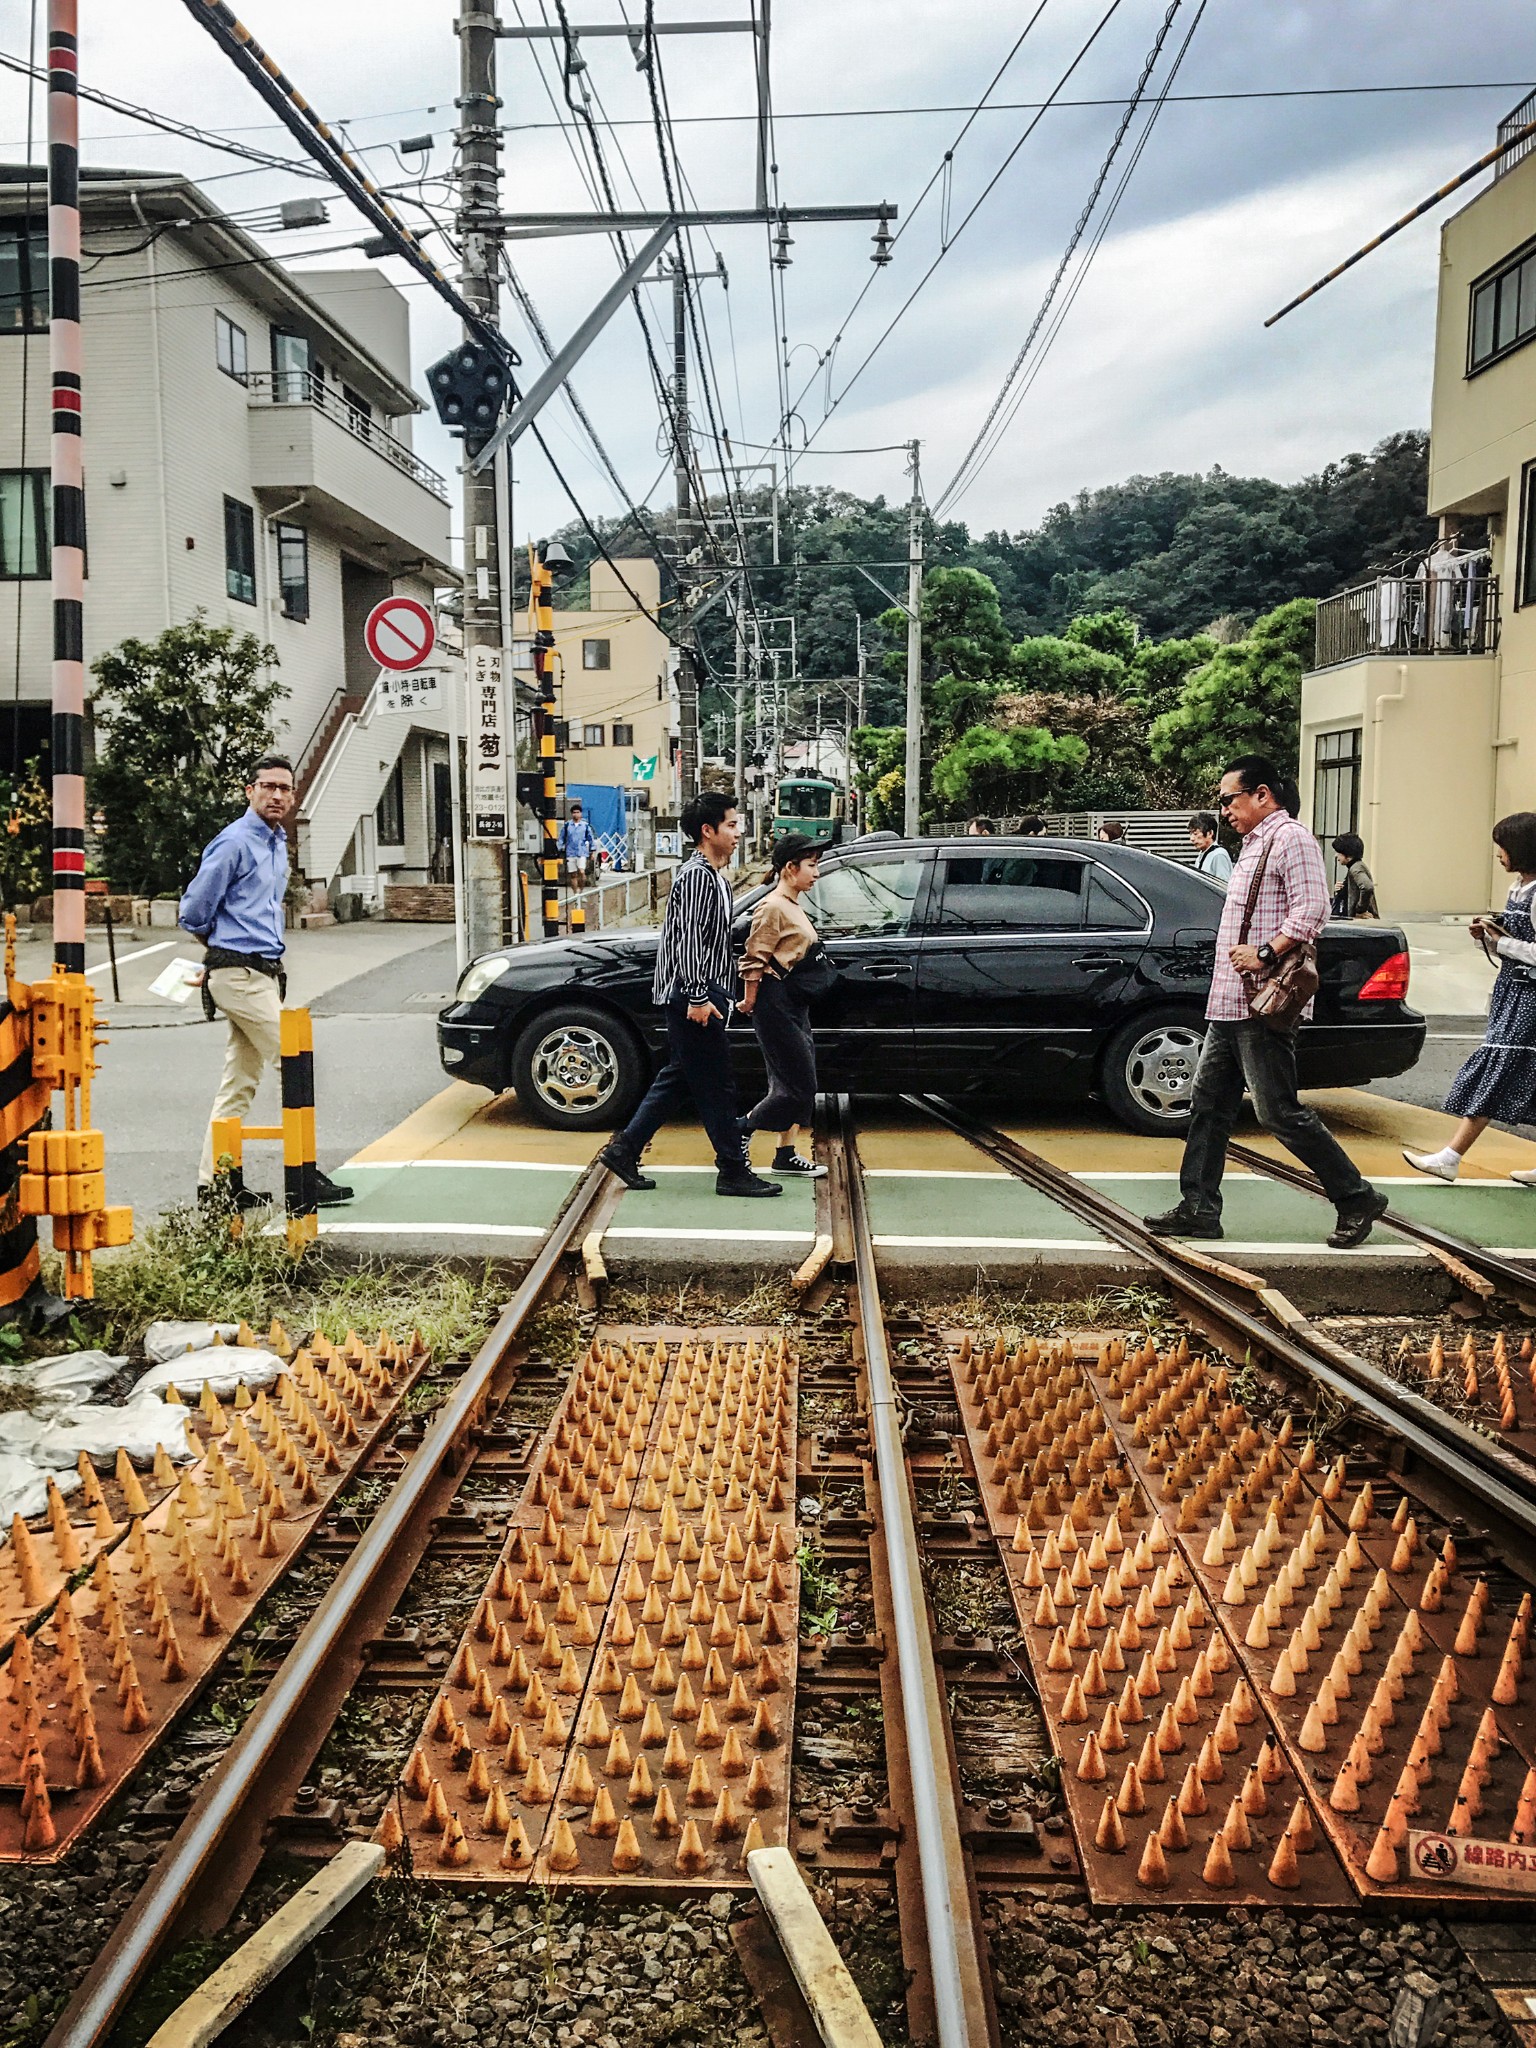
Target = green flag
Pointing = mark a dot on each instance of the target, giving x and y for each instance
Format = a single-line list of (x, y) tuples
[(642, 771)]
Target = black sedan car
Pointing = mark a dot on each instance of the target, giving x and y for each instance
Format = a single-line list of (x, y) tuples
[(1014, 971)]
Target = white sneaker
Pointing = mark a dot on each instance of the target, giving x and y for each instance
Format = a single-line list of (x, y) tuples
[(1433, 1163), (1526, 1179)]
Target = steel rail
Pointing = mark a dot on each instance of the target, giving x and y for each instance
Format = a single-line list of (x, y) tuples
[(1506, 1277), (103, 1993), (955, 1955), (1480, 1467)]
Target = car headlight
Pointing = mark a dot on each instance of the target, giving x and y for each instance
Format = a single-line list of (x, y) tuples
[(478, 976)]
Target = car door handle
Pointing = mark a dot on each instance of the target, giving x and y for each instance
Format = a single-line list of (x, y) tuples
[(878, 973), (1091, 963)]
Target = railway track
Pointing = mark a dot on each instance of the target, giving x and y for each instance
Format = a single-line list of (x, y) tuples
[(1264, 1670)]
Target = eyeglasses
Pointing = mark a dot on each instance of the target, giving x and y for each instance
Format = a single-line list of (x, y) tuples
[(275, 788)]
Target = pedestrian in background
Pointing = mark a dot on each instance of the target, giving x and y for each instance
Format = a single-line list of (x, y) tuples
[(1031, 828), (978, 828), (1211, 858), (783, 970), (694, 982), (234, 904), (1356, 894), (1277, 901), (578, 842), (1499, 1080), (1111, 831)]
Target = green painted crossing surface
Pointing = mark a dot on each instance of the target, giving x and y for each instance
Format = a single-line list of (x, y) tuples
[(518, 1202), (684, 1208)]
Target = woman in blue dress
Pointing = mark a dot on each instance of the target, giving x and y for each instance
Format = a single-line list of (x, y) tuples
[(1499, 1080)]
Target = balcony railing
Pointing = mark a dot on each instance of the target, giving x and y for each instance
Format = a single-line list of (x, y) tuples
[(304, 387), (1409, 615), (1516, 119)]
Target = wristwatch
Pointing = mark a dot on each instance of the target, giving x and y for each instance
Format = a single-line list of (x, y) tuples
[(1266, 955)]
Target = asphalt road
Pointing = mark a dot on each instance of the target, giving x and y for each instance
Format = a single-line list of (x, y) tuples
[(1449, 1042)]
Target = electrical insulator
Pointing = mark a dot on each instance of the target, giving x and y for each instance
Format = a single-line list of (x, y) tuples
[(783, 242), (882, 239)]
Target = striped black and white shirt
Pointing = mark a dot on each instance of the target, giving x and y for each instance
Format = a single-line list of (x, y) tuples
[(695, 951)]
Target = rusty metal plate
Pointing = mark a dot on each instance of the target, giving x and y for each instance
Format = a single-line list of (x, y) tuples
[(619, 1710), (124, 1649), (1174, 1776), (1393, 1677), (1493, 1385)]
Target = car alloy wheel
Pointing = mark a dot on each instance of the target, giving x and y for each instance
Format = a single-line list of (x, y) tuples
[(574, 1067), (1160, 1070)]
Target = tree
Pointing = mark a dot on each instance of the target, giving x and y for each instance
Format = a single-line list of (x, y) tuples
[(1245, 700), (991, 770), (181, 720), (28, 839), (879, 755)]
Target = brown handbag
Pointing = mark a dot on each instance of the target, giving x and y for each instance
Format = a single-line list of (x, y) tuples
[(1278, 994)]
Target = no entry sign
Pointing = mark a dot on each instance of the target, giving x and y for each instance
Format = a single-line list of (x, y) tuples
[(399, 633)]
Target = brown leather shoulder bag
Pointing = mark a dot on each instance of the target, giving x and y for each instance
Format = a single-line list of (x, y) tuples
[(1278, 994)]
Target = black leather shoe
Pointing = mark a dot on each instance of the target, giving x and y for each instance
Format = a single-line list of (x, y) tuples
[(625, 1168), (1357, 1220), (1179, 1222), (745, 1182), (328, 1193)]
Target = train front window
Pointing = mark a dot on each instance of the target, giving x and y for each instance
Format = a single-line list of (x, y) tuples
[(797, 800)]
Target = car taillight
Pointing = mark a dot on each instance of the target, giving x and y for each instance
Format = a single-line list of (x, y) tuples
[(1389, 984)]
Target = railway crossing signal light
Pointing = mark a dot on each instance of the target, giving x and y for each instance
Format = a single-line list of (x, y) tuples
[(469, 387)]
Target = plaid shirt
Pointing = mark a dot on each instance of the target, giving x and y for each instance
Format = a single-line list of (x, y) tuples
[(1293, 899)]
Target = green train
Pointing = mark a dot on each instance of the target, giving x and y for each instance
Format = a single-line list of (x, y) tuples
[(812, 805)]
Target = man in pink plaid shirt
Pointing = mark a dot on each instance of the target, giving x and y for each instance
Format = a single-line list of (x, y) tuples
[(1242, 1052)]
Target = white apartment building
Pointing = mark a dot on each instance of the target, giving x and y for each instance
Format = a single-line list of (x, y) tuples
[(247, 454)]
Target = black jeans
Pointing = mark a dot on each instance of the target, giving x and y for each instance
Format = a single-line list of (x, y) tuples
[(1248, 1055), (783, 1027), (698, 1071)]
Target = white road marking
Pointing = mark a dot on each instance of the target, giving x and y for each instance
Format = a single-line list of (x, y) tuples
[(127, 959)]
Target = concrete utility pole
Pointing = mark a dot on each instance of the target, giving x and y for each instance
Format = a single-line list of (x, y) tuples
[(488, 897), (914, 761), (682, 460)]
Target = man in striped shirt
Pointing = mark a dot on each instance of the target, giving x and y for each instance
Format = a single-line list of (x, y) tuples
[(1243, 1052), (694, 980)]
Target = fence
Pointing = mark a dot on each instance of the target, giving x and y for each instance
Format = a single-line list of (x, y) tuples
[(620, 900), (1517, 118), (1409, 615)]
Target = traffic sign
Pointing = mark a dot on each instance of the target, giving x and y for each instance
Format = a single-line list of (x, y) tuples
[(420, 692), (399, 633)]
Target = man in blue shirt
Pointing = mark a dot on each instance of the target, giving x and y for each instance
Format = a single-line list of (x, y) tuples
[(235, 906), (578, 842)]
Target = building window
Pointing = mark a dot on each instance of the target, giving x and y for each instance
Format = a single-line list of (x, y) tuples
[(23, 279), (292, 368), (594, 653), (591, 735), (522, 654), (1336, 783), (293, 570), (1526, 591), (1503, 311), (390, 815), (24, 498), (229, 347), (623, 735), (239, 551)]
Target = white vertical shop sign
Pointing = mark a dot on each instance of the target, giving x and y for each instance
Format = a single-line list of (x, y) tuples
[(486, 731)]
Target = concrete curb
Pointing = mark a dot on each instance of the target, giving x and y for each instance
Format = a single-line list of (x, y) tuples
[(222, 1998)]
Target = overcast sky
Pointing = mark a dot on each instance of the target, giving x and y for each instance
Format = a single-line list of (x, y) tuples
[(1162, 361)]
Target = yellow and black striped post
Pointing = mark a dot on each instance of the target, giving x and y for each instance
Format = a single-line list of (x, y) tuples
[(540, 583), (296, 1045), (23, 1105)]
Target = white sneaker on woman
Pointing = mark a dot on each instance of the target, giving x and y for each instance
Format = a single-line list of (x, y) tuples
[(1525, 1179), (1442, 1165)]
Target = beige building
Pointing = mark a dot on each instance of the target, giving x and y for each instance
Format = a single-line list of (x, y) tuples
[(617, 686), (1419, 723), (247, 454)]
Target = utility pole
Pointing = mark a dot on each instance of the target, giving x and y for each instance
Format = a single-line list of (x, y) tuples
[(739, 693), (682, 457), (914, 760), (488, 864)]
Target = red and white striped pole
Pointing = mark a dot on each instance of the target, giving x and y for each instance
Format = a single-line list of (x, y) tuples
[(68, 490)]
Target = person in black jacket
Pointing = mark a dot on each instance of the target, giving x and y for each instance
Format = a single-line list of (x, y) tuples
[(694, 983)]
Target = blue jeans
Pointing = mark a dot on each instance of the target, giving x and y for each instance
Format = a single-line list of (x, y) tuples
[(1241, 1056), (697, 1073)]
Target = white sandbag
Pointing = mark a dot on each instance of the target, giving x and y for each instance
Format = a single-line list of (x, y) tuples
[(169, 1340), (137, 1427), (75, 1374), (24, 1487), (223, 1366)]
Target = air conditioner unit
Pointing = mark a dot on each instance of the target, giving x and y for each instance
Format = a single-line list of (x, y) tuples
[(574, 743)]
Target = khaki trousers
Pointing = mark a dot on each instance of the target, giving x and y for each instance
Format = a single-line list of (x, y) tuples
[(252, 1005)]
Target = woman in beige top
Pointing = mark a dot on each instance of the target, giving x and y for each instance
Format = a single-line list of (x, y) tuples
[(783, 968)]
